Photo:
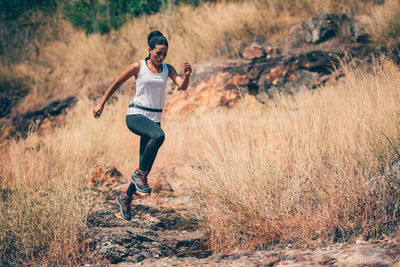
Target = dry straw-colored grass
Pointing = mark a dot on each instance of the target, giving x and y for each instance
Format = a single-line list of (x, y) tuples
[(383, 23), (44, 184), (316, 165), (312, 165), (43, 181)]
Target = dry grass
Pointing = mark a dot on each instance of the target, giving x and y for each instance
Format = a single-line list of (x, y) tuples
[(43, 182), (314, 166), (383, 24)]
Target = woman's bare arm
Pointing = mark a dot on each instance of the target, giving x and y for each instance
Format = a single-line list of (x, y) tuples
[(182, 83), (128, 73)]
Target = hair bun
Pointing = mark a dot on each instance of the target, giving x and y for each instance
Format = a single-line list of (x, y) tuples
[(153, 34), (156, 38)]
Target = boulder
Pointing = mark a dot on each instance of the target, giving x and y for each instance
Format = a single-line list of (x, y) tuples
[(358, 32), (289, 74), (50, 112), (320, 29), (315, 30), (254, 50)]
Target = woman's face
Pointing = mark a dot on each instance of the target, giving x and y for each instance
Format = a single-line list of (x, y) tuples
[(158, 54)]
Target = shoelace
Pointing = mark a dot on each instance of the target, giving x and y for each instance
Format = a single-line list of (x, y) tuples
[(127, 203), (143, 178)]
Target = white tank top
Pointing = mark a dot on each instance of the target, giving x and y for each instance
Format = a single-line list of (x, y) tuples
[(150, 91)]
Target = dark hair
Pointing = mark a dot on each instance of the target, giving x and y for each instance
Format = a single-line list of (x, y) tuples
[(156, 38)]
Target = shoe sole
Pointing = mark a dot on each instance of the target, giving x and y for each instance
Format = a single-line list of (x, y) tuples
[(120, 210), (138, 189)]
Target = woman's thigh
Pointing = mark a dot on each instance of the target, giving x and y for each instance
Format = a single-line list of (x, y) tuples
[(143, 126)]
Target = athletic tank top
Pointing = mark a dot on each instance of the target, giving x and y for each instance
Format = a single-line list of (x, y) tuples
[(150, 91)]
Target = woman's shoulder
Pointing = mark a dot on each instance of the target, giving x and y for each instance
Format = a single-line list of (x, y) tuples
[(171, 69), (135, 67), (137, 64)]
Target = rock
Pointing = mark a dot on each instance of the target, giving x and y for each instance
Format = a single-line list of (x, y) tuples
[(125, 244), (295, 72), (104, 177), (254, 51), (153, 233), (315, 30), (22, 122), (257, 80), (322, 28), (358, 32), (12, 91)]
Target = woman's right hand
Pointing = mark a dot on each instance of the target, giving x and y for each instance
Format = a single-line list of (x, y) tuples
[(97, 111)]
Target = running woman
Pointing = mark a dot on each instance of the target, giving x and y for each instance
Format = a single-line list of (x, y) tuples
[(143, 116)]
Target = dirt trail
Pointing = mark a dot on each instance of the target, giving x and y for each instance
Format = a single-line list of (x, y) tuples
[(161, 227), (164, 233)]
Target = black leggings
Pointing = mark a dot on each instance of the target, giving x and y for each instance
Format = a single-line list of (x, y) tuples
[(151, 138)]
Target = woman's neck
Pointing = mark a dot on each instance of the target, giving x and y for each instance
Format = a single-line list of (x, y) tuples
[(153, 67)]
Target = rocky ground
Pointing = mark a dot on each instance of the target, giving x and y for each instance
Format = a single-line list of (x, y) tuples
[(164, 232), (162, 225)]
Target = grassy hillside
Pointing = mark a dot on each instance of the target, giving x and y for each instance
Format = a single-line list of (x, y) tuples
[(76, 63), (317, 166), (314, 166)]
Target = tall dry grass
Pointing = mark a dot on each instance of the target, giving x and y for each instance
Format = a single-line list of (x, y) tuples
[(43, 183), (383, 23), (316, 165)]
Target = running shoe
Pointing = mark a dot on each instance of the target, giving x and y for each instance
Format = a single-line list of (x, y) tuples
[(139, 179), (124, 203)]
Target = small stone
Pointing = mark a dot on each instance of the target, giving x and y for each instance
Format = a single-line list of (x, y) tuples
[(253, 51), (327, 260)]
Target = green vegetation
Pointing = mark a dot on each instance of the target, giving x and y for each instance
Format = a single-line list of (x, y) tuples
[(95, 16), (25, 25), (21, 24)]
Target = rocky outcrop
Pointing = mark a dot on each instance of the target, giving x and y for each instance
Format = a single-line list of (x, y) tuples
[(264, 71), (326, 26), (250, 81), (378, 253), (42, 118)]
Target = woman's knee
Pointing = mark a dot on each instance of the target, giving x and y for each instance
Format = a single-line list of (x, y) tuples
[(159, 137)]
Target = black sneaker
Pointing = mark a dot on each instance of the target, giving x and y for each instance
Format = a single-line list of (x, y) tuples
[(124, 203), (139, 179)]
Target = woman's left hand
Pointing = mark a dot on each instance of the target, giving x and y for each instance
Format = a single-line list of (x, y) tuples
[(187, 69)]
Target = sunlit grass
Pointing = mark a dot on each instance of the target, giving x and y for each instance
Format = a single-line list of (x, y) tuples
[(316, 165)]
